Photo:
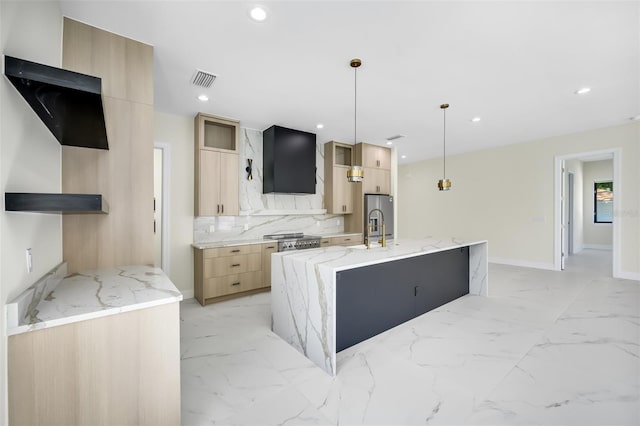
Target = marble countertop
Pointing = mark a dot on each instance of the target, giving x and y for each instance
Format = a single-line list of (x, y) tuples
[(339, 258), (230, 243), (59, 299)]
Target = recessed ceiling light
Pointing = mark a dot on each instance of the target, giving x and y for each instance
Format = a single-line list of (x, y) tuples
[(403, 156), (203, 98), (389, 143), (583, 91), (475, 119), (319, 126), (258, 14)]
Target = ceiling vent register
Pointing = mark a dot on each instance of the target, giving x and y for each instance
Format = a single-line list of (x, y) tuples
[(203, 79)]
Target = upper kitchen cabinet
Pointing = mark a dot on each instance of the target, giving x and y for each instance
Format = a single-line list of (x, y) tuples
[(217, 133), (338, 196), (373, 156), (217, 167)]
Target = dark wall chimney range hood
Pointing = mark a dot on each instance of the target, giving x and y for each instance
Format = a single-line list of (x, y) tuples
[(69, 103)]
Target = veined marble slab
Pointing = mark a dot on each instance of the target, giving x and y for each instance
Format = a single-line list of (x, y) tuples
[(303, 282), (87, 295)]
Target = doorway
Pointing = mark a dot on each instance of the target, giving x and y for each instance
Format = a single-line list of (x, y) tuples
[(161, 206), (566, 212)]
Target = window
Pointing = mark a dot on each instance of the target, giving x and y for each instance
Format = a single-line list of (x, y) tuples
[(603, 202)]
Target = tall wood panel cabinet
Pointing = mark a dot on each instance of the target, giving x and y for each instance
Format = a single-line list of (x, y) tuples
[(216, 166), (338, 193), (124, 173), (376, 165)]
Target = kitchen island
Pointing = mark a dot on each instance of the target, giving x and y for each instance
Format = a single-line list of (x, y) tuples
[(324, 300)]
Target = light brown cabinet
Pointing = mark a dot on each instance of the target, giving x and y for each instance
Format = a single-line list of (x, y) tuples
[(216, 166), (373, 156), (346, 240), (338, 197), (217, 191), (377, 181), (220, 273), (267, 251)]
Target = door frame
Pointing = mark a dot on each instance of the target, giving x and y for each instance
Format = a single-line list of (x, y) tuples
[(164, 225), (557, 222)]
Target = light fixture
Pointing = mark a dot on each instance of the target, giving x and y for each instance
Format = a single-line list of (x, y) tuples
[(389, 143), (258, 14), (355, 173), (203, 98), (403, 156), (444, 184), (475, 119), (319, 126), (582, 91)]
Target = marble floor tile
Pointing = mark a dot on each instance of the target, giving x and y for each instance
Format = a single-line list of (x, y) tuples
[(546, 348)]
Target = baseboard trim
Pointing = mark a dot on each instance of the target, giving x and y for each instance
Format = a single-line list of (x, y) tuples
[(187, 294), (634, 276), (522, 263), (597, 246)]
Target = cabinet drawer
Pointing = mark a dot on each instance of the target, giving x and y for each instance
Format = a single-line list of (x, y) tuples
[(348, 240), (230, 284), (231, 250), (325, 242), (230, 265)]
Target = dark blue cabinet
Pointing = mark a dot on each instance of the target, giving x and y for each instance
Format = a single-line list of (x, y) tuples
[(372, 299)]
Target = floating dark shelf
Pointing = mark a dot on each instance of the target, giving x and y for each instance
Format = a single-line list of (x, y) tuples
[(55, 203)]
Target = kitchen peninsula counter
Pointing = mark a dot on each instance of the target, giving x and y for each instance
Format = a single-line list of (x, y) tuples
[(95, 347), (305, 294)]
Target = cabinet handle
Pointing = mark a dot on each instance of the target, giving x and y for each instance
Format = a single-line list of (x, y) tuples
[(238, 283), (271, 247), (347, 239), (235, 251), (223, 209), (218, 208), (378, 163), (235, 264)]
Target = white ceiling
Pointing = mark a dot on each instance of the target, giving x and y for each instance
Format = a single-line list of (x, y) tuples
[(514, 64)]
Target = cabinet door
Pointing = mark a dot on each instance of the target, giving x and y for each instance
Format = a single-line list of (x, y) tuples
[(229, 182), (446, 280), (342, 192), (209, 183), (217, 133), (376, 181), (376, 156), (267, 251)]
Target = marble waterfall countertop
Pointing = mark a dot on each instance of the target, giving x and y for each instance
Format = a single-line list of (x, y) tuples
[(303, 287), (58, 298)]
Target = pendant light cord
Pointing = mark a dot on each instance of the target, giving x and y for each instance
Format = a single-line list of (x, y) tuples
[(355, 106), (444, 145)]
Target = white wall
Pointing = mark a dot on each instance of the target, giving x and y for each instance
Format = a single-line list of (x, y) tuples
[(177, 132), (596, 235), (29, 158), (506, 195)]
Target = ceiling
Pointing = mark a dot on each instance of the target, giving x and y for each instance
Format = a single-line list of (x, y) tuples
[(515, 64)]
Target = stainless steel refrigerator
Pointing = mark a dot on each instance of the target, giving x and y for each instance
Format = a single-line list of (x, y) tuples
[(375, 207)]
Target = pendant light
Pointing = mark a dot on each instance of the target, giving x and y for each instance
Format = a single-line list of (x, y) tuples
[(355, 173), (444, 184)]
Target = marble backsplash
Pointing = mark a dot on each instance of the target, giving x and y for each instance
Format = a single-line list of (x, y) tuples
[(262, 214)]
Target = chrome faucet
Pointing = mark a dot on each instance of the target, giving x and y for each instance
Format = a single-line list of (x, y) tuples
[(382, 241)]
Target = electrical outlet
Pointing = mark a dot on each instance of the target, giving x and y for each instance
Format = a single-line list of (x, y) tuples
[(246, 226), (212, 229), (317, 223), (29, 261), (338, 222)]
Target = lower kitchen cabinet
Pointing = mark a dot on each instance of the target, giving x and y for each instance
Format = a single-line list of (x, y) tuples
[(375, 298), (222, 272)]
